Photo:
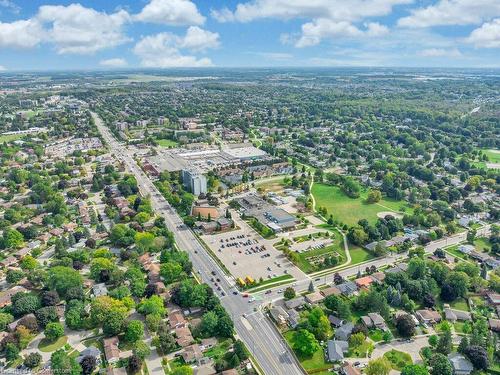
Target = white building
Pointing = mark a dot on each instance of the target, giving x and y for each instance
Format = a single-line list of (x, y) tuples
[(194, 181)]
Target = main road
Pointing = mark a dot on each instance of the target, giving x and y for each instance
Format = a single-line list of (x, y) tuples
[(252, 327)]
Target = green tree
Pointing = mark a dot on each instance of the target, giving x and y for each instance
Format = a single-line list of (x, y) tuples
[(440, 365), (11, 351), (379, 366), (53, 331), (62, 363), (152, 305), (13, 239), (141, 349), (304, 343), (445, 343), (289, 293), (32, 360), (62, 279), (134, 331)]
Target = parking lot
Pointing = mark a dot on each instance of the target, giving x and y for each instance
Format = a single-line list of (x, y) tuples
[(245, 253)]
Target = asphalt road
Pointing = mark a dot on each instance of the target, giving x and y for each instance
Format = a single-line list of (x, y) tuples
[(252, 327)]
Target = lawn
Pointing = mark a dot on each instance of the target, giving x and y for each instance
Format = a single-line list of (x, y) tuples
[(314, 364), (167, 143), (398, 359), (10, 137), (453, 250), (351, 210), (260, 285), (48, 346), (493, 155), (271, 184), (460, 304), (218, 350), (482, 244), (359, 254)]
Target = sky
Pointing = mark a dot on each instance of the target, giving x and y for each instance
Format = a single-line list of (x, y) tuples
[(130, 34)]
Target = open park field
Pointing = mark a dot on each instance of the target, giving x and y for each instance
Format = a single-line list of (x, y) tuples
[(167, 143), (351, 210)]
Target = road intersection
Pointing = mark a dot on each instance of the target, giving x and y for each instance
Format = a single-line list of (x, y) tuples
[(252, 326)]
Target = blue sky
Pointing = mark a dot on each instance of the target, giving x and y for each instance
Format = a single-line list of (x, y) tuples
[(117, 34)]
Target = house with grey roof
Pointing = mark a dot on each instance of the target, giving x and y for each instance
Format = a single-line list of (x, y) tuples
[(460, 364), (347, 288), (344, 331), (295, 303), (453, 315), (336, 350), (293, 318), (334, 321)]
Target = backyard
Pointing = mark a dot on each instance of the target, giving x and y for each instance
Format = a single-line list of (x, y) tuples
[(313, 364), (351, 210)]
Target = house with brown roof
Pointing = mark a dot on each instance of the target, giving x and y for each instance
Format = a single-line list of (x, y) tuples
[(5, 297), (331, 291), (8, 262), (348, 369), (176, 319), (192, 353), (428, 316), (183, 336), (314, 297), (364, 282), (111, 350), (378, 277)]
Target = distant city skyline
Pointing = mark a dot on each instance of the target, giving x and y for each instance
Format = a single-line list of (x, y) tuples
[(126, 34)]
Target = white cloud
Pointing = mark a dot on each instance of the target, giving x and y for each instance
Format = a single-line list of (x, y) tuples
[(2, 68), (21, 34), (163, 50), (314, 32), (375, 29), (80, 30), (171, 12), (486, 36), (452, 12), (340, 10), (328, 18), (114, 63), (197, 39), (440, 52), (71, 29)]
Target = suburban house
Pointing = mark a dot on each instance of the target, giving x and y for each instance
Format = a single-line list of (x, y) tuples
[(364, 282), (347, 288), (348, 369), (295, 303), (334, 321), (192, 353), (454, 315), (111, 350), (344, 331), (460, 364), (279, 315), (374, 320), (314, 297), (494, 324), (331, 291), (336, 349), (428, 316)]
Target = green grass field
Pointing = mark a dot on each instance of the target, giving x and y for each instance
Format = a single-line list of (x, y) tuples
[(10, 137), (167, 143), (493, 155), (351, 210), (482, 244), (50, 346)]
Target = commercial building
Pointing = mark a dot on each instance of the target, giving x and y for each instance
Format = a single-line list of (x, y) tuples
[(194, 181)]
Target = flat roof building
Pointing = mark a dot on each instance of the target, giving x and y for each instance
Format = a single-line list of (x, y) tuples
[(194, 181)]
